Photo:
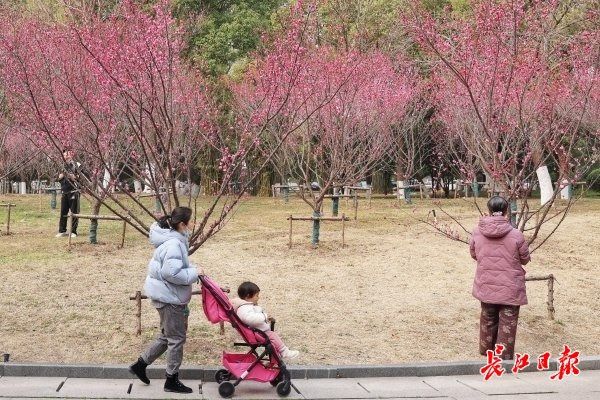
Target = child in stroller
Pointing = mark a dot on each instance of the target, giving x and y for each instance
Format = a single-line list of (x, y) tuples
[(264, 365), (246, 307)]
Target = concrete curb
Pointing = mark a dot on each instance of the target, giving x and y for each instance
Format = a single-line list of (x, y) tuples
[(207, 373)]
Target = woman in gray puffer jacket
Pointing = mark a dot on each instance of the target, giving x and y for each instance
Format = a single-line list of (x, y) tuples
[(169, 286)]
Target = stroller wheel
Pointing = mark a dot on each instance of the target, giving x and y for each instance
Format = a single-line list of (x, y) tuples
[(276, 381), (226, 389), (222, 375), (284, 388)]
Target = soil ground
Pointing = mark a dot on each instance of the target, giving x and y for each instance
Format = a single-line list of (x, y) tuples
[(398, 292)]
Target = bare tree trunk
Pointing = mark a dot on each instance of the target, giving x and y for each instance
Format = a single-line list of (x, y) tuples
[(316, 225), (264, 186), (208, 173), (400, 194), (378, 182), (94, 222)]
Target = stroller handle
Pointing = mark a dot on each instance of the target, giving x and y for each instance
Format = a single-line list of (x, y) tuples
[(225, 289)]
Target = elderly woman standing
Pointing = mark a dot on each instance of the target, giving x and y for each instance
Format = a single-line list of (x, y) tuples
[(169, 285), (500, 251)]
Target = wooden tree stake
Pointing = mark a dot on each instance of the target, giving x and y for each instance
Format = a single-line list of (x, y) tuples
[(291, 223), (138, 302), (343, 229), (8, 219), (8, 209), (70, 228), (123, 235), (551, 297), (550, 302)]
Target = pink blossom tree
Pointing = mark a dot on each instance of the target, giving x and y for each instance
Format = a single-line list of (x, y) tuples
[(410, 146), (515, 93), (347, 104), (116, 90), (16, 153), (78, 85)]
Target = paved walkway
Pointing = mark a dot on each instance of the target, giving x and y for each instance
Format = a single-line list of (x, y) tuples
[(525, 386)]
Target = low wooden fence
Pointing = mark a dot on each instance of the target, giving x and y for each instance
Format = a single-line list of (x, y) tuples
[(138, 297), (97, 217), (341, 219), (550, 302)]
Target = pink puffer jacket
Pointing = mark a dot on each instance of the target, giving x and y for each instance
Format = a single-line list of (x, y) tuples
[(500, 251)]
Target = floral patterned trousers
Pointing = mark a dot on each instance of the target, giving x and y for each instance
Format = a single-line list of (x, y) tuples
[(498, 325)]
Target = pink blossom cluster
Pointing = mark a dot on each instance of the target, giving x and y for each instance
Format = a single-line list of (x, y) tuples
[(511, 90), (114, 89)]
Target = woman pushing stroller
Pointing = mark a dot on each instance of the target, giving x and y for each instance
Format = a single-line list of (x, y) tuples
[(169, 286)]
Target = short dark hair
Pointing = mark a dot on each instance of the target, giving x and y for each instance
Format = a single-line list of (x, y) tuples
[(497, 204), (248, 289)]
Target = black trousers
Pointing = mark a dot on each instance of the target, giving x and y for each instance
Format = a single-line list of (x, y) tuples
[(68, 202)]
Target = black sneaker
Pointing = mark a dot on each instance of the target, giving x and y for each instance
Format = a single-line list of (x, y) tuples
[(173, 384), (139, 370)]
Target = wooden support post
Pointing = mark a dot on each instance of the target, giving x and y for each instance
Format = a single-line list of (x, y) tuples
[(8, 211), (370, 193), (70, 228), (550, 302), (138, 302), (123, 235), (8, 219), (421, 190), (343, 230), (551, 296), (291, 224), (355, 205)]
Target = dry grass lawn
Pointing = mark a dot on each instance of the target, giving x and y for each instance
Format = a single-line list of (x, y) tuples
[(397, 293)]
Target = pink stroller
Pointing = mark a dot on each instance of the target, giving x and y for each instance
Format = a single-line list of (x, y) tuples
[(264, 367)]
